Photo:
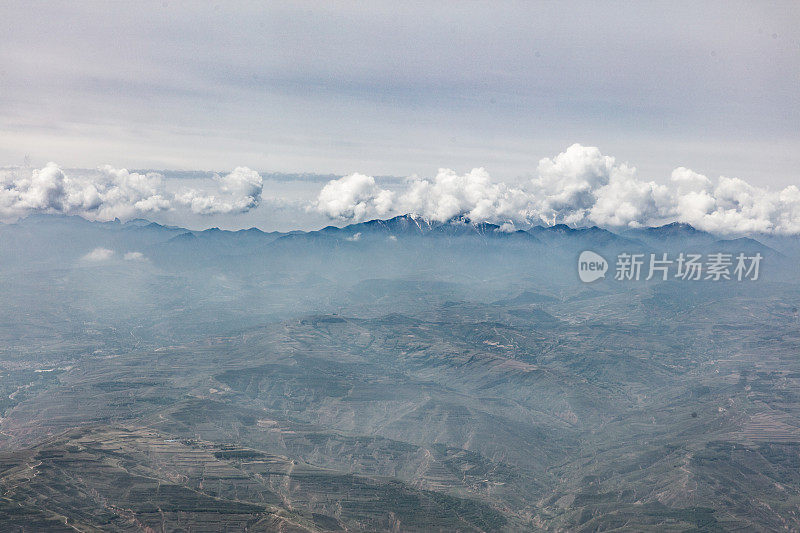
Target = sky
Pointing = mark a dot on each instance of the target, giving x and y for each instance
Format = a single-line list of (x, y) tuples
[(383, 89)]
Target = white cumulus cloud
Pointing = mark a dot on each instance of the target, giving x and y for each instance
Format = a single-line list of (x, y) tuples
[(357, 197), (579, 186), (473, 194), (734, 206), (107, 193), (237, 192), (102, 195), (99, 254), (354, 197)]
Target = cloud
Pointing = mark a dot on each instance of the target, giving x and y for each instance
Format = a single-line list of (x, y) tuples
[(579, 186), (97, 195), (566, 188), (99, 254), (507, 227), (357, 197), (354, 197), (134, 256), (627, 201), (734, 206), (568, 183), (238, 192), (107, 193), (45, 189), (473, 194), (244, 183)]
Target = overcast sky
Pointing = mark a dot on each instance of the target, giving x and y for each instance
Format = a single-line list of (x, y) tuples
[(388, 90)]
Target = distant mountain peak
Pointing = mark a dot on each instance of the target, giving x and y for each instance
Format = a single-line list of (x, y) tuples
[(138, 222), (674, 228), (184, 237)]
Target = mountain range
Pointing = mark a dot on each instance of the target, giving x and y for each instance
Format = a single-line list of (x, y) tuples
[(391, 375)]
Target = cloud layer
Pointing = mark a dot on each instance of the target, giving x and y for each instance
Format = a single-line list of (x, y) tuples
[(109, 193), (579, 186)]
